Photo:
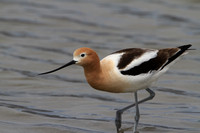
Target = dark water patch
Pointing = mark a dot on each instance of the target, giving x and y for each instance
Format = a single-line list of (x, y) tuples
[(59, 127), (20, 107), (189, 5), (47, 113), (193, 58), (35, 74), (46, 49), (106, 47), (49, 61), (135, 12), (92, 96), (95, 33), (172, 18), (30, 58), (194, 32), (28, 3), (21, 34), (110, 5), (5, 100), (172, 128), (77, 1), (21, 21), (90, 43), (179, 92), (73, 39), (35, 8), (157, 128), (68, 128), (150, 43), (183, 73), (12, 94), (29, 109), (85, 41), (65, 11), (168, 39), (188, 112), (130, 10), (4, 94), (78, 21), (193, 29), (4, 47), (60, 78), (23, 72)]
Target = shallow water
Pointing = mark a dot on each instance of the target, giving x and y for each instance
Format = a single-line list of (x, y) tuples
[(40, 35)]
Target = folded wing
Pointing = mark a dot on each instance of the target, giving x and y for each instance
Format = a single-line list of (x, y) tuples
[(142, 61)]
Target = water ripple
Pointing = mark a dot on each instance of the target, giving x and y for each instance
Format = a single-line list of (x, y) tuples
[(179, 92), (78, 21), (21, 21), (21, 34)]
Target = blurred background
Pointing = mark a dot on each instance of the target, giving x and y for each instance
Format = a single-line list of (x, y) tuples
[(40, 35)]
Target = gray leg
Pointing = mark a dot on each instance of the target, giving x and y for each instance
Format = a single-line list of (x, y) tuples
[(120, 112), (137, 113)]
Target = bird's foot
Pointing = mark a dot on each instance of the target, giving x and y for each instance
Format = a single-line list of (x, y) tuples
[(118, 120)]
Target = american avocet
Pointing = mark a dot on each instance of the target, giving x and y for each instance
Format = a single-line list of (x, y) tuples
[(127, 70)]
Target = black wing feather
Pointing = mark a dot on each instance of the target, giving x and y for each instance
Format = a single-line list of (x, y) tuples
[(163, 58)]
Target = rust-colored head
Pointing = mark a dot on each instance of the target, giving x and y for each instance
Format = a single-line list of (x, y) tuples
[(85, 56)]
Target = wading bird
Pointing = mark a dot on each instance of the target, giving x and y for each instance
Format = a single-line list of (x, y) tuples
[(127, 70)]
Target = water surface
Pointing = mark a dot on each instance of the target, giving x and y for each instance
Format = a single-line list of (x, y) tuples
[(40, 35)]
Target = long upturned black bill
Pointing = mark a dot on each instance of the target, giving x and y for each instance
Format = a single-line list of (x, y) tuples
[(68, 64)]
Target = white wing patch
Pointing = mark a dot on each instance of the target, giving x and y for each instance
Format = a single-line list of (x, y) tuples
[(145, 57)]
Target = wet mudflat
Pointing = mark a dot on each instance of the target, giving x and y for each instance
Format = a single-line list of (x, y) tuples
[(40, 35)]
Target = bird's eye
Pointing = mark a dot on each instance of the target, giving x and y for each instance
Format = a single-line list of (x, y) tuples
[(83, 55)]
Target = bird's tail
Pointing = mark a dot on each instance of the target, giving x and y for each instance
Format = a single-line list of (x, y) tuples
[(185, 47), (182, 51)]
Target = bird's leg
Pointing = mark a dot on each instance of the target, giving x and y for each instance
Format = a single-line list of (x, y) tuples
[(137, 113), (120, 112)]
